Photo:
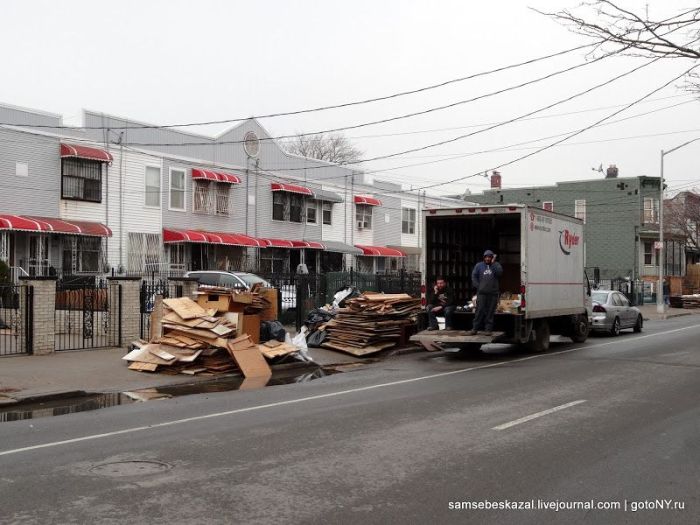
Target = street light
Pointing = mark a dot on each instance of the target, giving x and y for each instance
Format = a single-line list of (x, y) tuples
[(660, 307)]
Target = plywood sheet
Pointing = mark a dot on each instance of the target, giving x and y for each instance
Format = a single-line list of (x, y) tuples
[(251, 362), (185, 307)]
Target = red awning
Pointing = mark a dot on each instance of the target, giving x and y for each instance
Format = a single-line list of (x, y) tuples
[(53, 225), (292, 188), (217, 176), (380, 251), (84, 152), (277, 243), (370, 201), (171, 235), (233, 239), (309, 244)]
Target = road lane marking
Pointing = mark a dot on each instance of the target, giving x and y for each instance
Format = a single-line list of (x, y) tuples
[(673, 353), (132, 430), (538, 414)]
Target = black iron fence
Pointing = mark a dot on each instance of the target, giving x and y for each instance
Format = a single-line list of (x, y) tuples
[(87, 314), (16, 308), (638, 292), (150, 288)]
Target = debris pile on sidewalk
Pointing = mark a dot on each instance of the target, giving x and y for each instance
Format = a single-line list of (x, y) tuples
[(371, 323), (685, 301), (219, 333)]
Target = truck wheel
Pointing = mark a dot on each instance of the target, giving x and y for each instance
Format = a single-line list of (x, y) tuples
[(580, 330), (541, 341), (468, 350)]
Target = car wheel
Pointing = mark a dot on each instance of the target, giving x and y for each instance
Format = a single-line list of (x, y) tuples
[(638, 324), (615, 329)]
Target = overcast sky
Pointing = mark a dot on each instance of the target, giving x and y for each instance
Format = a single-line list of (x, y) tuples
[(175, 61)]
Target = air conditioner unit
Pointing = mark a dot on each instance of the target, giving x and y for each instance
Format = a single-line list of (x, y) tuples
[(360, 225)]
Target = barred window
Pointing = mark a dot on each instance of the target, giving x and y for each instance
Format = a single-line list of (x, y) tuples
[(81, 179)]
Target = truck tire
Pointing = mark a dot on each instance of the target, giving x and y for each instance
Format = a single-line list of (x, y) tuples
[(540, 343), (468, 350), (580, 329)]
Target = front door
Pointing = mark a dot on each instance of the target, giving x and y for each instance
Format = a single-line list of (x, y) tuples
[(38, 254)]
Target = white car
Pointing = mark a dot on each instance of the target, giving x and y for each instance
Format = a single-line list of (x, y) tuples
[(613, 312)]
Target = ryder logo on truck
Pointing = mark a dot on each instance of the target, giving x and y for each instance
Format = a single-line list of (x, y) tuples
[(568, 239)]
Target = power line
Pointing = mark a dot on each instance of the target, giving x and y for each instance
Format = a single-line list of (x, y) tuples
[(329, 107)]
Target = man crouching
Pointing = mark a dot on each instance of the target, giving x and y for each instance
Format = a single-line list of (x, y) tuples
[(441, 303)]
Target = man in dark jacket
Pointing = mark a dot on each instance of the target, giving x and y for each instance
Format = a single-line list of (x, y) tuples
[(441, 303), (485, 279)]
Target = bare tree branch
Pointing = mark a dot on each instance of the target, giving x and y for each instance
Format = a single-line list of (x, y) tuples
[(331, 147)]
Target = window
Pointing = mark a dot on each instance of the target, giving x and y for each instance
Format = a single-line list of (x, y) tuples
[(580, 209), (287, 207), (650, 256), (81, 254), (38, 255), (177, 256), (274, 260), (616, 301), (279, 201), (548, 205), (296, 206), (222, 198), (152, 186), (177, 189), (408, 220), (4, 247), (144, 253), (363, 214), (327, 213), (201, 196), (311, 212), (651, 210), (81, 180)]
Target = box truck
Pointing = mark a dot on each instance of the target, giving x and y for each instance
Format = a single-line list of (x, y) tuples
[(542, 255)]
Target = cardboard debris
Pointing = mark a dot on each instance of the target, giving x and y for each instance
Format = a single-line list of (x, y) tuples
[(191, 337), (278, 350), (371, 323)]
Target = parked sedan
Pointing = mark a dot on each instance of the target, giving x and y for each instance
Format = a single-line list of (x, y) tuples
[(613, 312)]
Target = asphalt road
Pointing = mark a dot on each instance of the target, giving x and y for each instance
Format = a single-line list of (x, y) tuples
[(614, 421)]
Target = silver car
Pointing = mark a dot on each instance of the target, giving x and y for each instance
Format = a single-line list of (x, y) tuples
[(613, 312)]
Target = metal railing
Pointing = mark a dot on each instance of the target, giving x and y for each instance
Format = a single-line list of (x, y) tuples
[(16, 309)]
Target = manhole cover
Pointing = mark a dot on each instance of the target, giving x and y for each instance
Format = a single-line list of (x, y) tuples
[(119, 469)]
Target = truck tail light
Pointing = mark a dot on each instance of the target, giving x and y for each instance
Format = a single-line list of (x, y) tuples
[(599, 309), (523, 301), (423, 300)]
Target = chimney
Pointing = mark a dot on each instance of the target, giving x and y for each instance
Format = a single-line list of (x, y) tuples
[(496, 180), (611, 172)]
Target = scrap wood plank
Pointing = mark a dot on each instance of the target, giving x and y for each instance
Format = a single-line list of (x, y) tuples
[(280, 350), (185, 307), (143, 355), (143, 367), (158, 351), (373, 349), (156, 328), (251, 361)]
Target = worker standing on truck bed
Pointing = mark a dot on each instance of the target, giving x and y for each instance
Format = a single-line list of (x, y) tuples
[(441, 303), (485, 279)]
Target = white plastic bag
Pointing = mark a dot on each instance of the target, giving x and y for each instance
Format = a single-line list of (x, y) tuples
[(299, 341)]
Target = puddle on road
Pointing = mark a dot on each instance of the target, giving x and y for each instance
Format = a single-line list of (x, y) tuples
[(70, 405)]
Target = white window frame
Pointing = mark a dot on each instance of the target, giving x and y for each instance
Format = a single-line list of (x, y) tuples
[(653, 209), (580, 209), (363, 212), (183, 190), (551, 205), (222, 199), (410, 222), (145, 185), (201, 187)]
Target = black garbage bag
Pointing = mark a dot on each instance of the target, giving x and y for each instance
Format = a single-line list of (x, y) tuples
[(318, 316), (272, 330), (316, 338)]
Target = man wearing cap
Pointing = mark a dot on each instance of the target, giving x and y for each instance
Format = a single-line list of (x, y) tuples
[(485, 279)]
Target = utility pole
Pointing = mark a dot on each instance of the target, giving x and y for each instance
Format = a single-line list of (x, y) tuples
[(660, 306)]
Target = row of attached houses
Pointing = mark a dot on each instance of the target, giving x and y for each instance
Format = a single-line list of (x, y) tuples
[(125, 196)]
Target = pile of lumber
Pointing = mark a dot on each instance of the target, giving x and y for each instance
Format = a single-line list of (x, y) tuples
[(371, 323), (187, 338), (686, 301)]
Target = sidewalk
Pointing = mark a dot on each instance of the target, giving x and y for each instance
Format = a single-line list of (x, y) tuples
[(650, 314)]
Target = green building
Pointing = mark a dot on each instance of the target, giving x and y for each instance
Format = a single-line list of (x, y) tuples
[(621, 216)]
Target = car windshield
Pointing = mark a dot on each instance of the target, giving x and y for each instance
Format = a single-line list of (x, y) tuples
[(600, 297), (252, 279)]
